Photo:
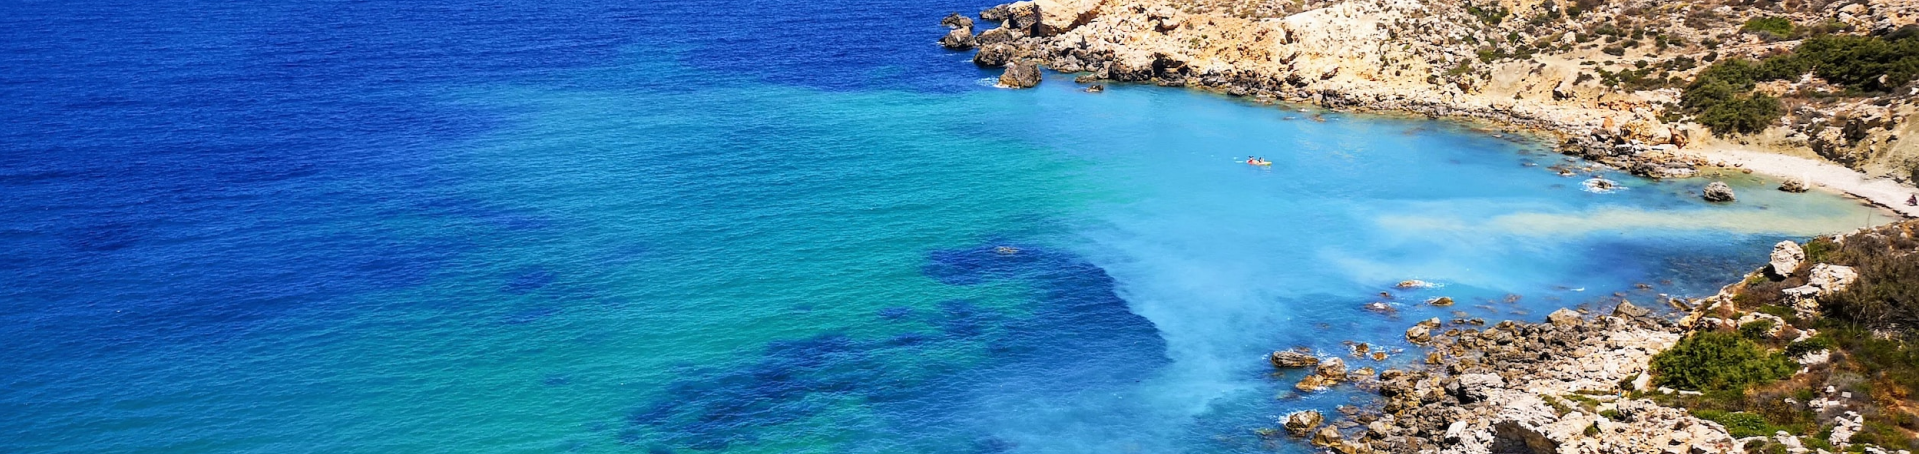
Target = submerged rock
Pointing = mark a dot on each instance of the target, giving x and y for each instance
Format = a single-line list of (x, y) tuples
[(1413, 283), (1096, 88), (1717, 191), (1021, 75)]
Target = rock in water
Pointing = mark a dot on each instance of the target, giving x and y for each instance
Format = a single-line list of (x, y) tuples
[(1627, 310), (994, 14), (1791, 185), (1441, 301), (1785, 258), (1717, 191), (1419, 334), (1000, 35), (955, 20), (1302, 423), (1293, 358), (993, 55), (1096, 88), (959, 38), (1021, 75)]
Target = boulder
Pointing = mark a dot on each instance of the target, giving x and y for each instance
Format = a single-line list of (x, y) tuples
[(1564, 317), (1477, 387), (1285, 359), (1419, 334), (1717, 191), (1302, 423), (1023, 74), (958, 38), (1441, 301), (1022, 15), (1785, 258), (955, 20), (1413, 283), (1331, 368), (1627, 310), (1096, 88), (993, 55), (1804, 301), (1131, 67), (1795, 185), (994, 14), (1314, 383), (1327, 436)]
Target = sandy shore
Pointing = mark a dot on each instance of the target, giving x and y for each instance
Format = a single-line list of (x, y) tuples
[(1880, 191)]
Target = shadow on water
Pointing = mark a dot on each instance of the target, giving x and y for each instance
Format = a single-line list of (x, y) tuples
[(1076, 335)]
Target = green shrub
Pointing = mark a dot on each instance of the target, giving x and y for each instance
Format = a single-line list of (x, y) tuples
[(1886, 294), (1718, 361), (1778, 27), (1756, 330), (1817, 343), (1740, 424)]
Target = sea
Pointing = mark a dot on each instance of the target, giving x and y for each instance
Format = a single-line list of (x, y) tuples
[(739, 226)]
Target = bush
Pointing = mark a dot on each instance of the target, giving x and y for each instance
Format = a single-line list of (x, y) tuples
[(1778, 27), (1885, 296), (1740, 424), (1718, 361), (1817, 343)]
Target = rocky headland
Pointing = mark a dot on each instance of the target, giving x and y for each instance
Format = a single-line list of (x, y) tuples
[(1628, 83)]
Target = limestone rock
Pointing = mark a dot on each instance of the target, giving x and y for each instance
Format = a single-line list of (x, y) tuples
[(1785, 258), (1286, 359), (1023, 74), (1564, 318), (993, 55), (1795, 185), (1627, 310), (1000, 35), (955, 20), (1717, 191), (1441, 301), (1419, 334), (1302, 423), (1058, 16), (1832, 278), (959, 38)]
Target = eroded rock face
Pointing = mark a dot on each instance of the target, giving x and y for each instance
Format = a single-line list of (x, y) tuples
[(955, 20), (1717, 191), (1785, 258), (1832, 278), (1023, 74)]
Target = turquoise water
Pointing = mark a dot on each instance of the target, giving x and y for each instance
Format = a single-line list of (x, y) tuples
[(650, 252)]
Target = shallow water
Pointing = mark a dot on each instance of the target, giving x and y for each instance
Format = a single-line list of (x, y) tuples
[(771, 227)]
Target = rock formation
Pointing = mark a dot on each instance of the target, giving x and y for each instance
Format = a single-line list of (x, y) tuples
[(1024, 74), (1717, 192)]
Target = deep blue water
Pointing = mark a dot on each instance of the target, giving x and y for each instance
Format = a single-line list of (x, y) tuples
[(767, 226)]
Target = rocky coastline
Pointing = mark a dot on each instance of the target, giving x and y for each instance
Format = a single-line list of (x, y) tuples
[(1451, 60), (1591, 382)]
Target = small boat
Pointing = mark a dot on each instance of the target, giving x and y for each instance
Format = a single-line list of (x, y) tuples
[(1259, 162)]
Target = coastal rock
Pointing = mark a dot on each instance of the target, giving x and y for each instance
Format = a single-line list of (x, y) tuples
[(1441, 301), (1096, 88), (1023, 74), (1000, 35), (1717, 191), (1302, 423), (955, 20), (1419, 334), (1131, 67), (1564, 318), (1785, 258), (1627, 310), (958, 38), (1412, 284), (993, 55), (994, 14), (1804, 301), (1331, 368), (1285, 359), (1795, 185), (1058, 16)]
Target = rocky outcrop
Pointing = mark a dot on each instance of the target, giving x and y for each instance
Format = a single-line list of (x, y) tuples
[(1823, 280), (1785, 259), (1023, 74), (1303, 423), (1717, 192)]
